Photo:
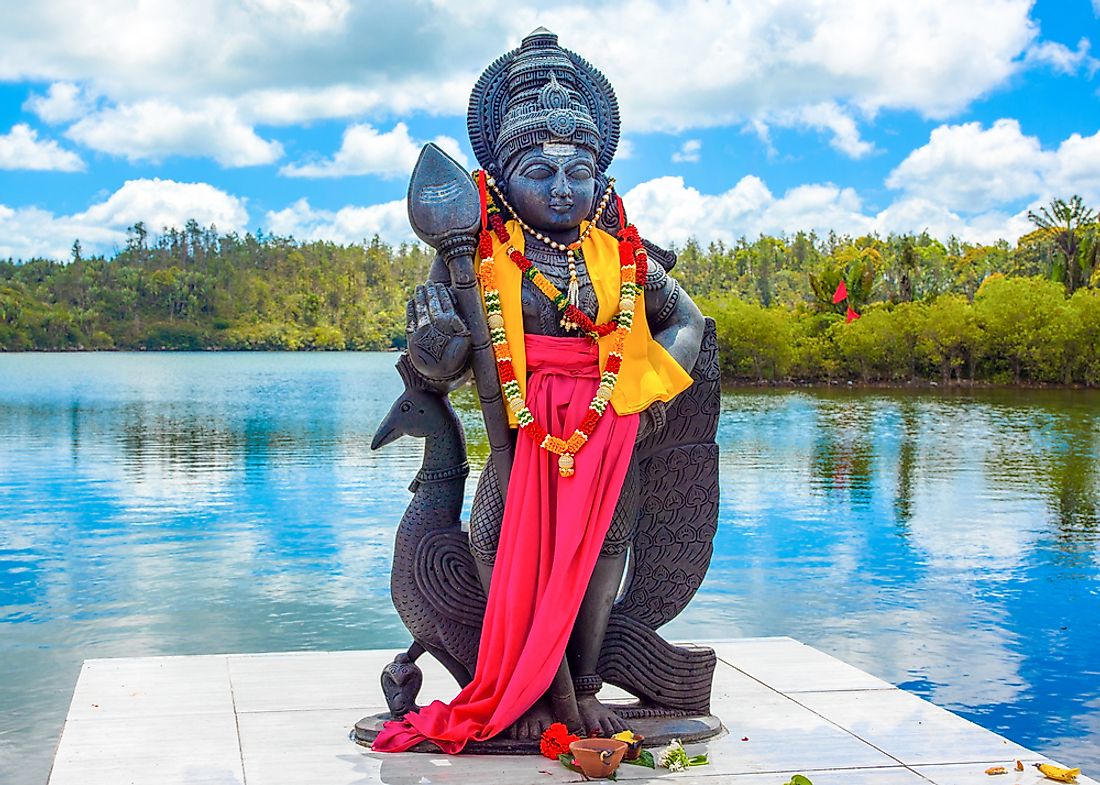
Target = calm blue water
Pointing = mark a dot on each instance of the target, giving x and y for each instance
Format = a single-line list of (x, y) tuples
[(197, 503)]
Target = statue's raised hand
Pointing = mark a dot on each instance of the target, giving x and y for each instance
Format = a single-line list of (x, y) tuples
[(439, 341)]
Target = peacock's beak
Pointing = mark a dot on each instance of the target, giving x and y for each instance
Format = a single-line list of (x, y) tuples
[(387, 430), (384, 437)]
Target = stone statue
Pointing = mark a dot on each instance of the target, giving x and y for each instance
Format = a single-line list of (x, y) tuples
[(541, 281)]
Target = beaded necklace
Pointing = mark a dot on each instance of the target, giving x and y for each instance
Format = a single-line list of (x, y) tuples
[(573, 291), (632, 264)]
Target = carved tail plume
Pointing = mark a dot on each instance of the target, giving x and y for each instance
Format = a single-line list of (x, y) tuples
[(677, 521)]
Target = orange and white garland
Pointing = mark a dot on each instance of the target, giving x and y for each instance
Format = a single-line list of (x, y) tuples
[(632, 260)]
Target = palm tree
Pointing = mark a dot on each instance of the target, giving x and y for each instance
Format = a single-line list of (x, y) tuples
[(1062, 220)]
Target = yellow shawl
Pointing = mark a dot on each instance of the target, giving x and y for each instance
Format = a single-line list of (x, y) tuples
[(648, 371)]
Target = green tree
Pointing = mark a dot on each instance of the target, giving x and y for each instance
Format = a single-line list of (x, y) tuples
[(1063, 221)]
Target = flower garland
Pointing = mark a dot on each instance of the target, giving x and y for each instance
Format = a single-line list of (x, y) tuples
[(633, 263)]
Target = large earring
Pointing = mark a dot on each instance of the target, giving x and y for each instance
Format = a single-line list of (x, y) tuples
[(597, 192)]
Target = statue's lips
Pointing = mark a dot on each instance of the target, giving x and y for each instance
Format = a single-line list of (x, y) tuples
[(561, 207)]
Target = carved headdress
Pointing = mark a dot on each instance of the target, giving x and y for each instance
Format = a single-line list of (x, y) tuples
[(537, 94)]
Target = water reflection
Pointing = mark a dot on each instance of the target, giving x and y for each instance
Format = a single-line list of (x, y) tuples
[(155, 504)]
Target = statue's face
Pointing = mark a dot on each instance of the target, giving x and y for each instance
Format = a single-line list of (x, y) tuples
[(553, 188)]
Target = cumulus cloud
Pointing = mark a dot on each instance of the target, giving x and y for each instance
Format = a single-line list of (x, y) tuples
[(1076, 168), (26, 232), (970, 168), (931, 56), (62, 102), (1061, 58), (669, 211), (351, 224), (688, 152), (365, 150), (299, 60), (167, 203), (445, 94), (154, 129), (21, 148), (825, 116)]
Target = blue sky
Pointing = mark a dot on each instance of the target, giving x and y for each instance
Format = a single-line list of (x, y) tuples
[(303, 117)]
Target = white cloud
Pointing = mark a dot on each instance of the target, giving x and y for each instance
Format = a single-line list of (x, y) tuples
[(155, 129), (825, 116), (167, 203), (931, 56), (21, 148), (667, 210), (445, 94), (62, 102), (1061, 58), (352, 224), (972, 169), (313, 16), (365, 150), (1075, 169), (300, 60), (29, 231), (688, 152)]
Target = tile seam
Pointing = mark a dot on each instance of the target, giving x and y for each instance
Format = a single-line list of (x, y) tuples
[(236, 720)]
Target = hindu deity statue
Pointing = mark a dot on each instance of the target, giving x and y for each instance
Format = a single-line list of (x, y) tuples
[(593, 518)]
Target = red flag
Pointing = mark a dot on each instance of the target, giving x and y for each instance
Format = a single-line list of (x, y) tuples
[(840, 293), (851, 315)]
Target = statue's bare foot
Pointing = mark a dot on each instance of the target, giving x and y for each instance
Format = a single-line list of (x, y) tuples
[(533, 723), (599, 718)]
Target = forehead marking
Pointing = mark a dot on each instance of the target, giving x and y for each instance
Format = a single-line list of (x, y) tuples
[(558, 150)]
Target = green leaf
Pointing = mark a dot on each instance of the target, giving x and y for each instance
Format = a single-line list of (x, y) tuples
[(566, 760), (699, 760), (645, 759), (798, 779)]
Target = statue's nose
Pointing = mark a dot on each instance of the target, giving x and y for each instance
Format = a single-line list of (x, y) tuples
[(561, 185)]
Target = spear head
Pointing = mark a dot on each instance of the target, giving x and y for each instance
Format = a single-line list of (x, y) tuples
[(443, 200)]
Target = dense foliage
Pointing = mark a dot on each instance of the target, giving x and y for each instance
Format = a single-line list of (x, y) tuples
[(929, 310), (197, 289)]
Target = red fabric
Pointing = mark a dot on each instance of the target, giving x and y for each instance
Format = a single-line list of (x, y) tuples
[(482, 190), (551, 537), (840, 293), (851, 315)]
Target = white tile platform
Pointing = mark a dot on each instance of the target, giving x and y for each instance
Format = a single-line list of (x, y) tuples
[(284, 719)]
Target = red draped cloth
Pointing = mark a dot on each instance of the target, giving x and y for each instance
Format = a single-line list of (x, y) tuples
[(550, 539)]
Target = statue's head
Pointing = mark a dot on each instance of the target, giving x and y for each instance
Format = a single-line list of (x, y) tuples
[(545, 124)]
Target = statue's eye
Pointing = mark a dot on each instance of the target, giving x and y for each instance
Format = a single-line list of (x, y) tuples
[(406, 406), (538, 172), (580, 173)]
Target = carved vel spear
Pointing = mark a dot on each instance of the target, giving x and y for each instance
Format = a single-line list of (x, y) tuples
[(445, 212)]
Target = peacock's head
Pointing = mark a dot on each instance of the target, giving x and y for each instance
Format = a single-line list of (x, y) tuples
[(419, 411)]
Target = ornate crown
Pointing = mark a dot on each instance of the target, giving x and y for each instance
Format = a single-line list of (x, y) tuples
[(541, 93)]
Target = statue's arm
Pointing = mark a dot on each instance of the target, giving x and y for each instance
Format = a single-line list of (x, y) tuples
[(676, 323), (438, 273), (674, 319)]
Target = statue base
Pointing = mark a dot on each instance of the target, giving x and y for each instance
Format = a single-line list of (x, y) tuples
[(657, 725)]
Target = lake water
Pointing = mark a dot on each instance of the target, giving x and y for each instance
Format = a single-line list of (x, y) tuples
[(200, 503)]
